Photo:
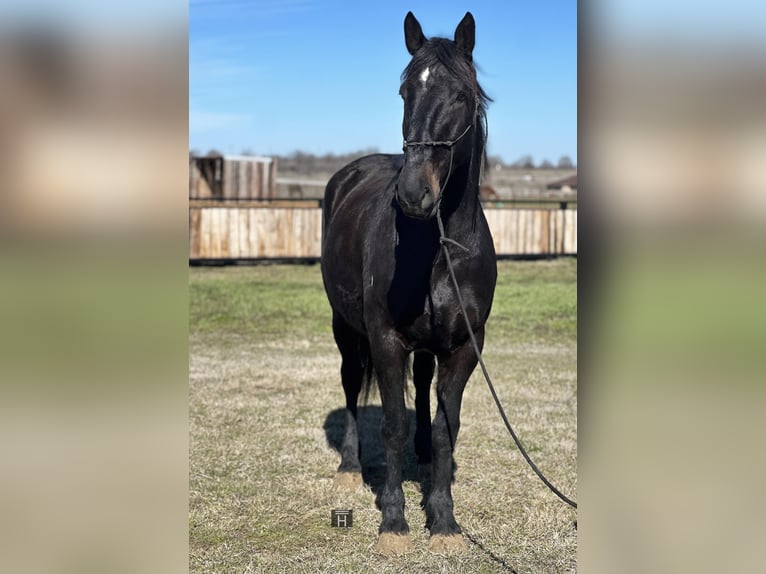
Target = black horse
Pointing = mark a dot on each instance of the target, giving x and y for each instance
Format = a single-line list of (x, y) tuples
[(388, 283)]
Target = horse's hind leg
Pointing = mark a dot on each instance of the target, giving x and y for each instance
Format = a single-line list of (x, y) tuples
[(354, 351), (423, 372)]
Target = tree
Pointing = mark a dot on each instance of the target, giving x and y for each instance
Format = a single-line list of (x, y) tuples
[(494, 162), (545, 164), (565, 162), (524, 162)]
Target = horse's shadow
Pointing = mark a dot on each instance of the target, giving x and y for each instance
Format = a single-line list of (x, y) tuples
[(373, 457)]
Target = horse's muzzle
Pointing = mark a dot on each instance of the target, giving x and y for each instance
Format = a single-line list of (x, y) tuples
[(424, 210), (419, 198)]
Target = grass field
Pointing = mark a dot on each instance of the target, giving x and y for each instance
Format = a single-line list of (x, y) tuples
[(266, 419)]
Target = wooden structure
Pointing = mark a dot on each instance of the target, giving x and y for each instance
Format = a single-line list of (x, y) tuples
[(232, 177), (255, 230)]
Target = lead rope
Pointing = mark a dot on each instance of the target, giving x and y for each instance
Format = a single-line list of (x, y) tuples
[(444, 240)]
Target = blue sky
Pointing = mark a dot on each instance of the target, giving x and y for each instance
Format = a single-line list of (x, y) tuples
[(275, 76)]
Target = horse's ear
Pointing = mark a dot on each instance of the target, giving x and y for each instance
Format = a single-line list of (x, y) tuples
[(413, 33), (465, 34)]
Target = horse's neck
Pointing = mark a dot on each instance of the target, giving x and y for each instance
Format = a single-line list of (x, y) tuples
[(461, 200)]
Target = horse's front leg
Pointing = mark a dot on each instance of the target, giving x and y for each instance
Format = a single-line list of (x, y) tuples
[(389, 359), (454, 371)]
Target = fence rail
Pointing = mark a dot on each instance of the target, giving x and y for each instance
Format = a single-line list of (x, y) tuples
[(251, 230)]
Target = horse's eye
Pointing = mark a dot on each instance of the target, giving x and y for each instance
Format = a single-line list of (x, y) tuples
[(462, 97)]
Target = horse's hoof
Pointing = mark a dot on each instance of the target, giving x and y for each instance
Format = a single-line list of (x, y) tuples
[(447, 543), (392, 544), (347, 481)]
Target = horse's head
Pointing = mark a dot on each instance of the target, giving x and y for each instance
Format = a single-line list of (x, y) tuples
[(443, 104)]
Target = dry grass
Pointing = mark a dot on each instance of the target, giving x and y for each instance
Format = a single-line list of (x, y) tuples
[(266, 419)]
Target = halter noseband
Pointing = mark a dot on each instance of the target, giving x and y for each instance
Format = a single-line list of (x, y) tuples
[(445, 143), (449, 144)]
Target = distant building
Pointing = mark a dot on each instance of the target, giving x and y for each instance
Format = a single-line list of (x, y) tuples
[(565, 185)]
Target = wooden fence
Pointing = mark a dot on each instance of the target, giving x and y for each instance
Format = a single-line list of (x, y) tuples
[(245, 230), (524, 231)]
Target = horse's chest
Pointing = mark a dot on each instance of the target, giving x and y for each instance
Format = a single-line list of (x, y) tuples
[(432, 321)]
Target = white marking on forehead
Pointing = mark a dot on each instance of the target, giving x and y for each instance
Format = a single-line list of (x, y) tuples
[(424, 75)]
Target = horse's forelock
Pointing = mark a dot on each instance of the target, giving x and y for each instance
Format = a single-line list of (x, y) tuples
[(444, 52)]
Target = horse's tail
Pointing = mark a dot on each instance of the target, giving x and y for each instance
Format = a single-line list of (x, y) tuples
[(368, 369), (369, 378)]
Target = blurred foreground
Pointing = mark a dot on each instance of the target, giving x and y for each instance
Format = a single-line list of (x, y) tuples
[(93, 301), (672, 322)]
